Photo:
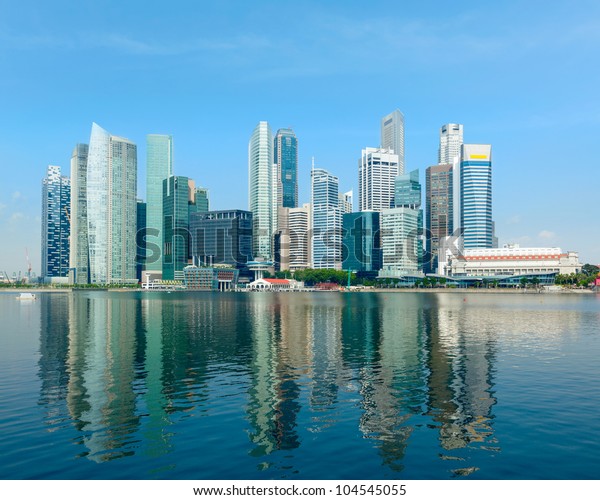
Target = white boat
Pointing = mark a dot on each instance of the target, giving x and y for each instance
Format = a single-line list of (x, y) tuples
[(26, 296)]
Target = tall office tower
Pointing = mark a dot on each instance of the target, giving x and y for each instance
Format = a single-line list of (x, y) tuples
[(286, 157), (326, 221), (439, 210), (346, 202), (140, 258), (112, 206), (221, 237), (262, 191), (159, 166), (392, 136), (202, 200), (451, 139), (476, 195), (56, 229), (402, 229), (178, 202), (377, 170), (79, 257), (293, 242), (361, 251)]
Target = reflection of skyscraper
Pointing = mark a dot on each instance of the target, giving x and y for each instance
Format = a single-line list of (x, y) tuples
[(112, 204)]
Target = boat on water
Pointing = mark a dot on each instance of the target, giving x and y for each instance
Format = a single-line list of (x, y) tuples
[(26, 296)]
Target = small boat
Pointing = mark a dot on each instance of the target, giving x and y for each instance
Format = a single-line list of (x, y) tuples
[(26, 296)]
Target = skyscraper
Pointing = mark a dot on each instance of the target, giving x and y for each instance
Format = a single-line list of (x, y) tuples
[(293, 241), (79, 257), (377, 171), (402, 229), (202, 200), (439, 209), (140, 258), (286, 158), (159, 166), (327, 220), (451, 139), (476, 195), (112, 207), (56, 229), (392, 136), (361, 251), (262, 191), (346, 201), (178, 195)]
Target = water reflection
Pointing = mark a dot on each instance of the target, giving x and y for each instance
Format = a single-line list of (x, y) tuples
[(130, 371)]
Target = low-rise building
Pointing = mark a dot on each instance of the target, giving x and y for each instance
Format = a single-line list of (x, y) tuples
[(210, 278), (274, 285)]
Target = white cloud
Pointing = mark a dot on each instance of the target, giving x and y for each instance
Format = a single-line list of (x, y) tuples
[(547, 235), (17, 195)]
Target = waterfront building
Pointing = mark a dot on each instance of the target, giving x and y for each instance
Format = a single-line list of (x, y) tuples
[(476, 195), (438, 210), (377, 171), (159, 166), (111, 208), (221, 237), (392, 137), (402, 229), (140, 260), (56, 230), (512, 261), (361, 250), (326, 220), (210, 278), (451, 140), (274, 284), (79, 257), (178, 202), (293, 242), (262, 191), (286, 158)]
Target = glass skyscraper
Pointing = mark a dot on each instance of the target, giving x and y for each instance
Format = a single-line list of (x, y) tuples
[(439, 209), (476, 196), (79, 256), (392, 136), (326, 220), (178, 194), (56, 229), (111, 207), (286, 158), (262, 191), (451, 140), (159, 166), (361, 251), (377, 170)]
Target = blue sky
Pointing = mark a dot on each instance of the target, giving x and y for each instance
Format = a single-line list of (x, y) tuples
[(521, 75)]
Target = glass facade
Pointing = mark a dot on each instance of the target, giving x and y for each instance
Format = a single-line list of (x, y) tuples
[(159, 166), (262, 195), (326, 221), (392, 136), (56, 229), (221, 237), (361, 250), (439, 210), (286, 158), (112, 207), (140, 259), (79, 257), (176, 231), (476, 195)]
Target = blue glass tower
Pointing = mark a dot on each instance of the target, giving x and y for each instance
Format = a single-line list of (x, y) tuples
[(286, 158), (361, 249)]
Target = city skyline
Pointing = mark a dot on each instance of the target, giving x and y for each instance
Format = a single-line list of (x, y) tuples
[(537, 132)]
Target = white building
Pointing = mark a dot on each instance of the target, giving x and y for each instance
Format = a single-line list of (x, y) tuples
[(295, 237), (451, 139), (377, 171), (400, 242), (262, 191), (346, 202), (512, 260), (326, 221), (392, 136)]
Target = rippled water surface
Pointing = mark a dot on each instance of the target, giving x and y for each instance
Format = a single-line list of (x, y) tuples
[(324, 385)]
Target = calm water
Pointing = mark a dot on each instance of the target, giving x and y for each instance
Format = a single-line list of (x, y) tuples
[(302, 386)]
